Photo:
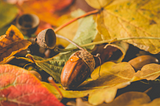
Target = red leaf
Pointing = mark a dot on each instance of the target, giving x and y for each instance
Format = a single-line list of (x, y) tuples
[(18, 87)]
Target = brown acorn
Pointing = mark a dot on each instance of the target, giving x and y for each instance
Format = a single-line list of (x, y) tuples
[(46, 39), (79, 66)]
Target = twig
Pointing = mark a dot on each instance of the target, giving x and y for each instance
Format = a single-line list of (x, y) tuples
[(87, 14)]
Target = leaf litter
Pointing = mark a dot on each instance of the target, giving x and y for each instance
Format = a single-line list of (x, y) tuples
[(134, 22)]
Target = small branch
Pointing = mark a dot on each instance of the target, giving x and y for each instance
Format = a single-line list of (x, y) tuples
[(87, 14)]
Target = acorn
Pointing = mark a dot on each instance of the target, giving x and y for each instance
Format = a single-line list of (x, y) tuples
[(79, 66), (138, 62), (46, 39)]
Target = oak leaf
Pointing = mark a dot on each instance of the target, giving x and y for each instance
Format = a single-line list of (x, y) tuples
[(135, 21), (149, 72), (20, 87), (132, 98)]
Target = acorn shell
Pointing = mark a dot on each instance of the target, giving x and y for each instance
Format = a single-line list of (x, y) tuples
[(46, 39)]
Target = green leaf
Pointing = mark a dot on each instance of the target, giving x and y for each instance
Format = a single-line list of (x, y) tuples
[(7, 13), (86, 32)]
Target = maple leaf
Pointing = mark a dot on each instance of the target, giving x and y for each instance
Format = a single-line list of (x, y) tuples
[(19, 87), (130, 19)]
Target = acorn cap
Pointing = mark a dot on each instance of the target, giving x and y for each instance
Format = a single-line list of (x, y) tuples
[(87, 58), (46, 38), (27, 23)]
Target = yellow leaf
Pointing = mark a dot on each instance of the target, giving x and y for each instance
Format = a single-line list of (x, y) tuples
[(12, 35), (105, 94), (149, 72), (11, 43), (102, 70), (98, 4), (136, 19), (130, 99), (113, 77)]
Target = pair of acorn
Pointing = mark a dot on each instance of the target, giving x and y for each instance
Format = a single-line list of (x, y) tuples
[(81, 63), (77, 68)]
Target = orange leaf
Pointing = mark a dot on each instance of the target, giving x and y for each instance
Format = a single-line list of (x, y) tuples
[(45, 9), (12, 35), (21, 88), (11, 43)]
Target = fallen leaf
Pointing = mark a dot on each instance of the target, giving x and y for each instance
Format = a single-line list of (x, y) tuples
[(66, 93), (130, 19), (19, 87), (155, 102), (86, 32), (131, 98), (8, 13), (12, 49), (45, 10), (70, 30), (117, 73), (111, 79), (98, 4), (149, 72), (11, 43), (12, 35)]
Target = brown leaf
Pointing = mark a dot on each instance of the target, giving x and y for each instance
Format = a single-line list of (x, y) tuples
[(11, 43), (10, 50), (155, 102)]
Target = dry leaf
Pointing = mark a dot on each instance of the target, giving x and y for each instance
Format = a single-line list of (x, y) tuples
[(12, 35), (149, 72), (11, 43), (155, 102), (114, 77), (130, 99), (130, 19)]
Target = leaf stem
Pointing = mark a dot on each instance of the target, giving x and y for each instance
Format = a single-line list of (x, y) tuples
[(59, 36), (50, 79), (107, 41), (87, 14)]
